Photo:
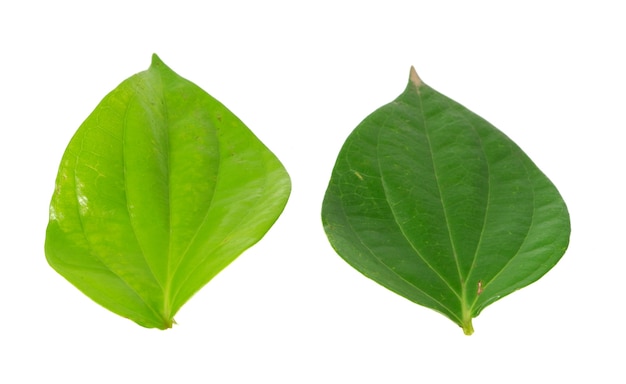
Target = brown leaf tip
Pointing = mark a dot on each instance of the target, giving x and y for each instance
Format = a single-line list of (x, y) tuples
[(414, 78)]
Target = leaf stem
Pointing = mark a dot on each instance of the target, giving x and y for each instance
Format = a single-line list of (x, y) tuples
[(466, 312), (468, 329), (467, 326)]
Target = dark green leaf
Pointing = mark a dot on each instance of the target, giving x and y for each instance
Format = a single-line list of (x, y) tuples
[(434, 203), (159, 190)]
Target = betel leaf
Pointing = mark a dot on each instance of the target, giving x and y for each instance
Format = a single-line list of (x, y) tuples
[(159, 189), (433, 202)]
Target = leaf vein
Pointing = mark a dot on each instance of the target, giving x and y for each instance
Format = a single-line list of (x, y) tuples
[(443, 204), (517, 253), (95, 254), (484, 224), (395, 217), (204, 219), (358, 235), (127, 199)]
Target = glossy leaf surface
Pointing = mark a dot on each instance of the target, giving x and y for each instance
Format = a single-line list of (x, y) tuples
[(159, 190), (434, 203)]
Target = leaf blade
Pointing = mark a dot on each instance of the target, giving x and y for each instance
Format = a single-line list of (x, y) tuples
[(138, 189), (459, 191)]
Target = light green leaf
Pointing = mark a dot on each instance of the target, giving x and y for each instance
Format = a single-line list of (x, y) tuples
[(159, 190), (434, 203)]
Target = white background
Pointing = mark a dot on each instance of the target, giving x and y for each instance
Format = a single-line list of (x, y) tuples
[(302, 75)]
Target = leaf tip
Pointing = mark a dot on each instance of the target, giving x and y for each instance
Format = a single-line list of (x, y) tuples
[(156, 60), (414, 78)]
